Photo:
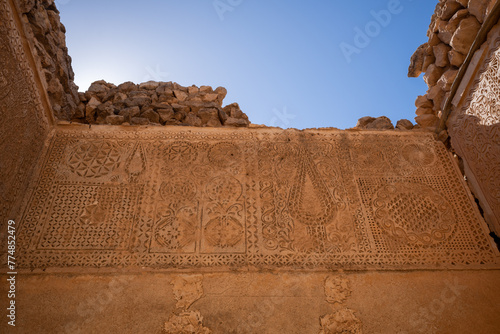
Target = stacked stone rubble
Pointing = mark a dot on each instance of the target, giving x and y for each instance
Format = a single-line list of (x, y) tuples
[(46, 34), (105, 103), (383, 123), (160, 103), (452, 31)]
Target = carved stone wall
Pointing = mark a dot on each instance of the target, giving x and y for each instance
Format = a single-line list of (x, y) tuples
[(24, 125), (474, 127), (453, 28), (260, 198)]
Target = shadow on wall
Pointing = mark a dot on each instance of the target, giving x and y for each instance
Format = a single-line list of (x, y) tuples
[(479, 146)]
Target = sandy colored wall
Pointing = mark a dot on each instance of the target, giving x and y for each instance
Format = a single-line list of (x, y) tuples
[(474, 125), (25, 118), (263, 303), (237, 198)]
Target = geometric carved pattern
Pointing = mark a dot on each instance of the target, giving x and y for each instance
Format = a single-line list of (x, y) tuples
[(414, 213), (93, 159), (24, 126), (475, 131), (90, 217), (258, 198)]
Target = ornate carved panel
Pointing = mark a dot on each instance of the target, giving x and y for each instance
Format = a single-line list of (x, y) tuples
[(255, 198), (24, 127), (475, 134)]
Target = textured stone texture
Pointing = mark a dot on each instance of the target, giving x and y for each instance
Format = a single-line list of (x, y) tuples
[(25, 121), (187, 230), (474, 127), (239, 198), (155, 103), (295, 303), (46, 35), (452, 31)]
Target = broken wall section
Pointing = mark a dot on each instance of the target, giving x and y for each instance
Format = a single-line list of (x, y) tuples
[(157, 103), (46, 35), (452, 31), (150, 103)]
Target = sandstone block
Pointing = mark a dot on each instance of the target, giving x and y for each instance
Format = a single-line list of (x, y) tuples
[(380, 123), (423, 101), (139, 101), (180, 95), (151, 115), (90, 109), (194, 106), (206, 89), (447, 29), (98, 87), (478, 8), (193, 90), (149, 85), (433, 40), (433, 74), (427, 120), (139, 121), (115, 119), (233, 110), (446, 80), (236, 122), (449, 8), (80, 111), (192, 120), (404, 124), (213, 122), (417, 62), (221, 92), (441, 53), (210, 97), (180, 115), (436, 94), (428, 58), (208, 113), (165, 89), (165, 115), (364, 121), (127, 87), (119, 96), (456, 58), (180, 108), (222, 115), (424, 110), (465, 34)]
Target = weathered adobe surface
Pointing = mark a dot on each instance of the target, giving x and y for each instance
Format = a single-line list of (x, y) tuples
[(46, 35), (165, 103), (453, 28)]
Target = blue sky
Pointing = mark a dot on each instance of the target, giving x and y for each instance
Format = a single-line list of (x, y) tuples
[(300, 64)]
